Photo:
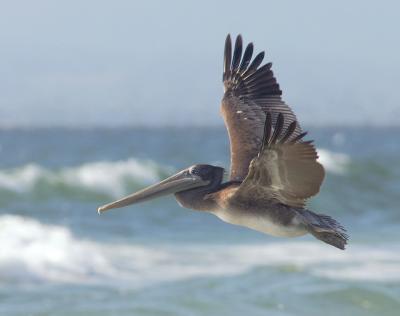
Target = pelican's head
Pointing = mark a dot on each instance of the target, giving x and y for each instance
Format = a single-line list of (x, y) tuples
[(193, 177)]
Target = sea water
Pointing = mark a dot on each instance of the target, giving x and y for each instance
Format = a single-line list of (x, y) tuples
[(59, 257)]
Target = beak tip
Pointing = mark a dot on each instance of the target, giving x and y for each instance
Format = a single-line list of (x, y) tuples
[(101, 209)]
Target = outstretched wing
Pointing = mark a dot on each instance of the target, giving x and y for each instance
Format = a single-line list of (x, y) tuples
[(250, 92), (285, 168)]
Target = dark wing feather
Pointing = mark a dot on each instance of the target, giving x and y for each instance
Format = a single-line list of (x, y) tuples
[(237, 54), (284, 170), (250, 92), (248, 53)]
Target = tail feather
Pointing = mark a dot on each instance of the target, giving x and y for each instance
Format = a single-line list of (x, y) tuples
[(325, 228)]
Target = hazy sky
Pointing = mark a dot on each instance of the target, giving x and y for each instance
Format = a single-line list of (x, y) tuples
[(160, 62)]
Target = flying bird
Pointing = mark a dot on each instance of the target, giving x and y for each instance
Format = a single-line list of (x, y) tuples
[(273, 169)]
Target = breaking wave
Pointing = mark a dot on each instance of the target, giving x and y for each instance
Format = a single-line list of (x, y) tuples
[(332, 161), (32, 251), (112, 178)]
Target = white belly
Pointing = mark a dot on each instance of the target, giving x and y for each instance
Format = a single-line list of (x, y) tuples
[(262, 223)]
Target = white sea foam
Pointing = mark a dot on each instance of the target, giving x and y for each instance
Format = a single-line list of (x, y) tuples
[(332, 161), (22, 179), (111, 176), (31, 250), (103, 176)]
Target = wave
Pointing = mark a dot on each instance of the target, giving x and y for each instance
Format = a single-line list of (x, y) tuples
[(112, 178), (332, 161), (33, 251)]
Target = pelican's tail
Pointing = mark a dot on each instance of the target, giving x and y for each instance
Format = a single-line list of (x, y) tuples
[(325, 228)]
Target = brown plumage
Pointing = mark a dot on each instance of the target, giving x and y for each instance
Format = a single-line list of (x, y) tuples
[(284, 169), (250, 92), (273, 170)]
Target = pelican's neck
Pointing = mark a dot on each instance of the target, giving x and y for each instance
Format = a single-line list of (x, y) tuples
[(197, 198), (207, 198)]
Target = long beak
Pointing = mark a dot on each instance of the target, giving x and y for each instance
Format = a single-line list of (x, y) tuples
[(179, 182)]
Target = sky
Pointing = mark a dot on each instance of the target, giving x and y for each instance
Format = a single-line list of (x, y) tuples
[(159, 63)]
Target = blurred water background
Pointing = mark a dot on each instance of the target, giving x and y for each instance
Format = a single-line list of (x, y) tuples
[(100, 98), (59, 257)]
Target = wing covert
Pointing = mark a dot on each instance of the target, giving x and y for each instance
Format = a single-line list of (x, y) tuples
[(286, 167)]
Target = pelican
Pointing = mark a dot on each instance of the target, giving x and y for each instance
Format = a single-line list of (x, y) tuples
[(273, 169)]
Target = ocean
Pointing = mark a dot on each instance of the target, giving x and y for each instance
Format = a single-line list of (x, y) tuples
[(59, 257)]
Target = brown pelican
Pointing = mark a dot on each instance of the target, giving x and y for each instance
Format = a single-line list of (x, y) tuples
[(273, 170)]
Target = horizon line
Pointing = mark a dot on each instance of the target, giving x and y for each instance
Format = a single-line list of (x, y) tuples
[(177, 126)]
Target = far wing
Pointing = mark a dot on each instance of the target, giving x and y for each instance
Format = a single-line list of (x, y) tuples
[(250, 92), (286, 168)]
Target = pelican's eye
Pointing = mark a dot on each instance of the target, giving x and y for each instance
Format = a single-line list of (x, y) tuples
[(194, 170), (203, 171)]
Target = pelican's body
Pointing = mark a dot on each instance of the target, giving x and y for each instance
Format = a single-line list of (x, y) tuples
[(260, 213), (265, 220), (273, 170)]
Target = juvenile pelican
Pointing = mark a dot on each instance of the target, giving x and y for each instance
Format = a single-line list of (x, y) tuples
[(273, 170)]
